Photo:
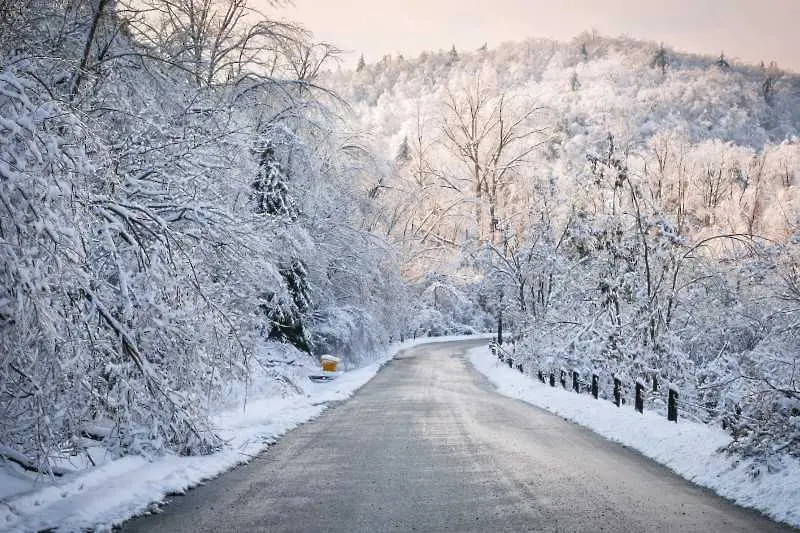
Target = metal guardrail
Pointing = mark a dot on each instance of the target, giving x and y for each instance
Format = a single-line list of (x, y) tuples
[(504, 356), (641, 393)]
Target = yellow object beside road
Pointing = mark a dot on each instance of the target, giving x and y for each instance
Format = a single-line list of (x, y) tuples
[(329, 363)]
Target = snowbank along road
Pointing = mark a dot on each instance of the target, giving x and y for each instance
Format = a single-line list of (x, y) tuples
[(428, 446)]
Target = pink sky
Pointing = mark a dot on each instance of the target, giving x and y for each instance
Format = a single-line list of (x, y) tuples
[(749, 30)]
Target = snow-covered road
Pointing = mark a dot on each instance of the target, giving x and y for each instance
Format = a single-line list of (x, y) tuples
[(428, 445)]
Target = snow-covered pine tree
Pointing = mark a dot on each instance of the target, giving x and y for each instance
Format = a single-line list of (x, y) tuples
[(271, 195)]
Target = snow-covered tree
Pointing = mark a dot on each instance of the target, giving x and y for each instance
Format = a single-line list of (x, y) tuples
[(641, 238), (170, 211)]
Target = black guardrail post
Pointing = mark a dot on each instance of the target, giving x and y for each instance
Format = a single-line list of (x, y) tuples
[(672, 406), (563, 379), (617, 391), (576, 386), (595, 386), (552, 379), (639, 397)]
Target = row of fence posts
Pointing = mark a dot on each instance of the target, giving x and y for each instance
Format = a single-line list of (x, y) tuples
[(617, 399)]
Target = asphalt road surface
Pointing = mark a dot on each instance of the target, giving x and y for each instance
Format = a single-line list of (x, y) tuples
[(428, 446)]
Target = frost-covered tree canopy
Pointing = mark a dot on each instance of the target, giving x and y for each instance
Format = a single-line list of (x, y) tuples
[(629, 210), (176, 204)]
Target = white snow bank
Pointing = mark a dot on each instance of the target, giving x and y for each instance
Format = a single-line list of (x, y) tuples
[(101, 497), (690, 449)]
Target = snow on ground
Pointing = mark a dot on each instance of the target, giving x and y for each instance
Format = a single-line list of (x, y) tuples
[(104, 496), (688, 448)]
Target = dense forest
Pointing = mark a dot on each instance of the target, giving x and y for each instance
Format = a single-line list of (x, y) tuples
[(179, 223), (195, 196), (623, 208)]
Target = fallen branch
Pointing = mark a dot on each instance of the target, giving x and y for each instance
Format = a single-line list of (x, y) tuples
[(10, 454)]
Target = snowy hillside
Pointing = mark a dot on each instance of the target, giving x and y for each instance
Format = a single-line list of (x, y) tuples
[(635, 88), (625, 209)]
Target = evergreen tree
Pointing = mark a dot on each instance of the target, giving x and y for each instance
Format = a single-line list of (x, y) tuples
[(270, 190), (284, 310), (286, 317), (361, 64), (771, 75), (452, 55), (574, 82), (403, 152), (660, 60)]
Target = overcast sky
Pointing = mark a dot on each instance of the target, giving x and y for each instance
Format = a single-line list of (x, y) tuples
[(750, 30)]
